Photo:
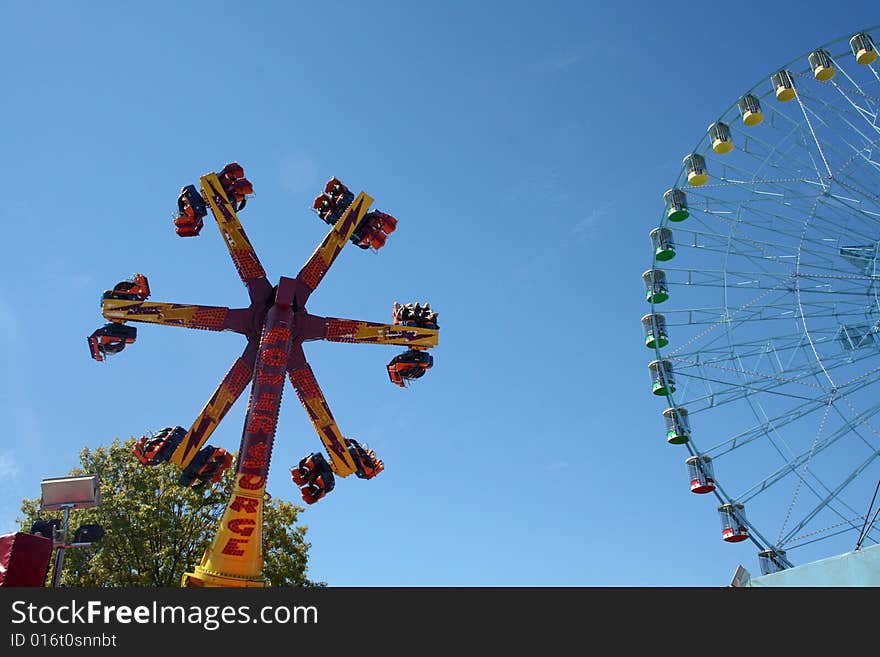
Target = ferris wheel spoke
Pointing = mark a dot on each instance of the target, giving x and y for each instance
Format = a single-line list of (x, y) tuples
[(800, 460), (729, 391), (778, 355), (779, 170), (761, 429), (807, 461), (864, 111), (797, 127), (773, 311), (762, 250), (790, 467), (736, 354), (766, 227), (870, 217), (732, 278), (776, 183), (716, 316), (765, 159), (847, 157), (811, 482), (744, 194), (698, 366), (833, 494), (864, 208), (843, 115), (823, 534), (812, 131), (821, 280), (720, 315), (860, 225)]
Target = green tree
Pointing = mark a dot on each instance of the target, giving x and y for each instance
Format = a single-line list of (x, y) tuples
[(155, 529)]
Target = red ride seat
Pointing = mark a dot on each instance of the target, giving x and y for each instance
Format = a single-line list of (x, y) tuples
[(384, 221), (366, 463), (315, 477), (230, 172)]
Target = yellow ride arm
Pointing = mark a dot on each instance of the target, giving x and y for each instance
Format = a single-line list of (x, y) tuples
[(303, 380), (208, 318), (243, 255), (325, 255), (226, 394), (349, 330)]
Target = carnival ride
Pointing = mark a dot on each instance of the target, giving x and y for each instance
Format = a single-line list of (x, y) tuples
[(772, 319), (275, 325)]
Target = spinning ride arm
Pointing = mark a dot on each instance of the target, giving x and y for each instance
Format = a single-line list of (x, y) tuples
[(303, 380), (226, 394), (354, 331), (243, 255), (207, 318), (312, 273)]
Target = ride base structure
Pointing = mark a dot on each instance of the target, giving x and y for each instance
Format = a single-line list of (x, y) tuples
[(275, 325)]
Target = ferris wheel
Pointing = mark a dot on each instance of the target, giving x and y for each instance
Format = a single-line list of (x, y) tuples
[(764, 321)]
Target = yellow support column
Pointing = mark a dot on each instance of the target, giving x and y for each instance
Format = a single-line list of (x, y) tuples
[(235, 557)]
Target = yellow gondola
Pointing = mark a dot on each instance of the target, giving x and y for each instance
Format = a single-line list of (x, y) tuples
[(697, 174), (822, 65), (719, 133), (863, 48), (783, 85), (750, 110)]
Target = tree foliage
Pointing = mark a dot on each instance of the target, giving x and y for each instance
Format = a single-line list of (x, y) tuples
[(155, 529)]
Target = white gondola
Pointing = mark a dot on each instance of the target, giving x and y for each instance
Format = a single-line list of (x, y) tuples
[(676, 205), (783, 85), (719, 133), (695, 165), (863, 48), (733, 526), (656, 290), (701, 474), (678, 428), (663, 243), (750, 110), (654, 326), (822, 65), (662, 377), (771, 561)]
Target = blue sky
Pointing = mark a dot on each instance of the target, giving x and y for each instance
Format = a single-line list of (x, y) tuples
[(523, 147)]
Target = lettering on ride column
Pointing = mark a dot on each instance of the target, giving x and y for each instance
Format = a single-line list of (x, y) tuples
[(261, 425), (249, 482), (265, 378), (244, 504), (232, 547), (257, 456), (259, 432), (242, 526)]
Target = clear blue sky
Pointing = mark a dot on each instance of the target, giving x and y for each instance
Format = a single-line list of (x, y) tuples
[(524, 148)]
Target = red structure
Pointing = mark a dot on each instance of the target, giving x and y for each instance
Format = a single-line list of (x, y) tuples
[(24, 559), (275, 325)]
